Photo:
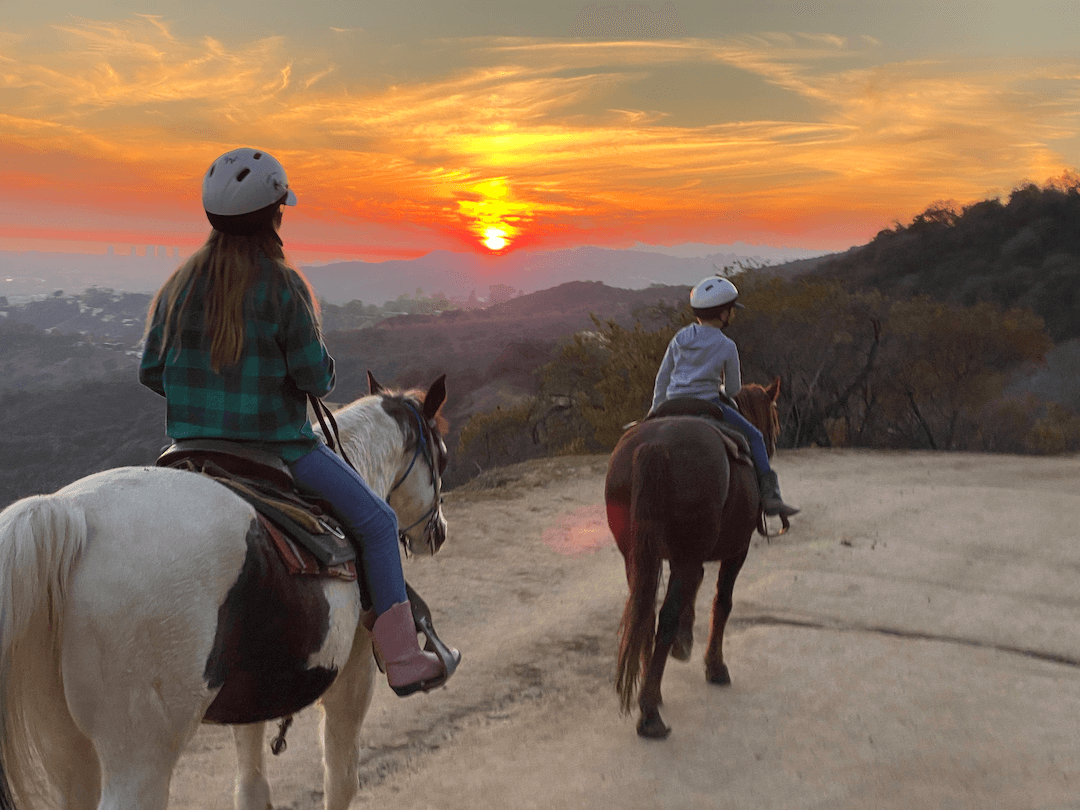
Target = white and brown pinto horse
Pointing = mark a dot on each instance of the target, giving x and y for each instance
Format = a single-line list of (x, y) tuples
[(136, 602)]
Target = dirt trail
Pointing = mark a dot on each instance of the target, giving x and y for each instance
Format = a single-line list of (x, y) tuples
[(912, 642)]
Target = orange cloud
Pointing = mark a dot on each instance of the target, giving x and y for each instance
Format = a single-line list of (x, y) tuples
[(517, 139)]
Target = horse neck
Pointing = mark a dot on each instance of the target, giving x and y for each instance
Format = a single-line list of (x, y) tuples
[(374, 442), (756, 407)]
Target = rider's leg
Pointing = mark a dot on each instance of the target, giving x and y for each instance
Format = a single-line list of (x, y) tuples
[(371, 522), (767, 480)]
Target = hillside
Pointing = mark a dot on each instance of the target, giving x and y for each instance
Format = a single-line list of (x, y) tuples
[(1021, 253), (68, 409), (482, 351), (459, 275), (52, 436)]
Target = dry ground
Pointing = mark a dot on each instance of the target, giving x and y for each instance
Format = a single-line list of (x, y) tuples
[(912, 643)]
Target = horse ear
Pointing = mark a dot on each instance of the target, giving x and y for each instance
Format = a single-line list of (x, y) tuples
[(373, 385), (436, 395), (774, 390)]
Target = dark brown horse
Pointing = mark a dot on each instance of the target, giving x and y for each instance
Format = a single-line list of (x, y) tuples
[(674, 493)]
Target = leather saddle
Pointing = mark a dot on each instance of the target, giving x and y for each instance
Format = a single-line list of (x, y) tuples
[(264, 481), (690, 406)]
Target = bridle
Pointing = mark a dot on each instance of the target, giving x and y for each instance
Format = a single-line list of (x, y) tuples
[(423, 448), (434, 514)]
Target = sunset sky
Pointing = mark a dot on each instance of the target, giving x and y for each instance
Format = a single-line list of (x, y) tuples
[(416, 125)]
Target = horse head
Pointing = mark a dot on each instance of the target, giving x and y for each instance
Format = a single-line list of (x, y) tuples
[(419, 415), (758, 404)]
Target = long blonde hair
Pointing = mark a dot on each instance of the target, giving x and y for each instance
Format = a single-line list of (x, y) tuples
[(228, 266)]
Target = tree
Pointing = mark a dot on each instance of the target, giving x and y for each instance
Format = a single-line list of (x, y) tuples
[(943, 364), (497, 438), (627, 376), (824, 343)]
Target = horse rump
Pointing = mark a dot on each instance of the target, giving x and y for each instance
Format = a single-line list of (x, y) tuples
[(650, 513)]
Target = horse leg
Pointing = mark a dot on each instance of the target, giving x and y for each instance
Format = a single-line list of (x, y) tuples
[(252, 787), (715, 669), (73, 762), (136, 771), (122, 695), (138, 719), (684, 638), (344, 706), (79, 782), (139, 727), (651, 725)]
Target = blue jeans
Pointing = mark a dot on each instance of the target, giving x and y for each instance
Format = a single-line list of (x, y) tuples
[(753, 435), (367, 518)]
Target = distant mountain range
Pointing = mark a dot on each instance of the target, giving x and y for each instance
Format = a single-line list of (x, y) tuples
[(460, 275), (456, 275)]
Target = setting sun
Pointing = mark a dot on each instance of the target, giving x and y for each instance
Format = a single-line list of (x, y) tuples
[(495, 239), (494, 216)]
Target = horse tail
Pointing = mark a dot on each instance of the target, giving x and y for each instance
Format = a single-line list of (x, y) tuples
[(41, 540), (650, 500)]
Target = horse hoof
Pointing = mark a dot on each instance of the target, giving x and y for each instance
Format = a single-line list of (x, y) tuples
[(680, 650), (653, 728), (718, 676)]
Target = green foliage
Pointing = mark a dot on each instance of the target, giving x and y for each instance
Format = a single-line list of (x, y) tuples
[(498, 438), (358, 315), (944, 364), (605, 377), (1029, 426), (625, 387), (821, 339), (418, 304), (1022, 253), (857, 368)]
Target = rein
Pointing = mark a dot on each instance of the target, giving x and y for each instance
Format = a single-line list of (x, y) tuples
[(432, 514), (333, 441), (333, 438)]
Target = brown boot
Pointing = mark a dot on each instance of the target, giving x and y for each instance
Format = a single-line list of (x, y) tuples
[(771, 501), (408, 668)]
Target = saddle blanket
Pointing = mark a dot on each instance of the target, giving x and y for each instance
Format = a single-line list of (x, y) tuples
[(301, 562), (308, 541), (737, 445)]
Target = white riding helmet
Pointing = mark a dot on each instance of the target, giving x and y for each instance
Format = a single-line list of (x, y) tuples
[(714, 292), (242, 181)]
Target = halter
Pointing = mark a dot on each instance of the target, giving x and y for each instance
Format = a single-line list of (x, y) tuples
[(431, 515)]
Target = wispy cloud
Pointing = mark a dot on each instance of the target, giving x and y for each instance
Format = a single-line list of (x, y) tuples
[(881, 140)]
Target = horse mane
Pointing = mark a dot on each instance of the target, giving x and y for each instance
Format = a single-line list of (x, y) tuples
[(758, 404), (396, 404), (362, 426)]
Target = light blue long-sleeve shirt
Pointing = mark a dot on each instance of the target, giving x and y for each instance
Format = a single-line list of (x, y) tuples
[(699, 361)]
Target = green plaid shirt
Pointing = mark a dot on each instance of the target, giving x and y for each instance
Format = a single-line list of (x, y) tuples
[(262, 398)]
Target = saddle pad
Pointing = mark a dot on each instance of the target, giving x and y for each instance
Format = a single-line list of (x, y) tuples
[(304, 522), (299, 561), (736, 442)]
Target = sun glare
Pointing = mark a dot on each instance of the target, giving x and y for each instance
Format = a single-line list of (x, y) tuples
[(493, 215), (495, 239)]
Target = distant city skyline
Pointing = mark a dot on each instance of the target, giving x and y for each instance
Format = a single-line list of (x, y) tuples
[(493, 127)]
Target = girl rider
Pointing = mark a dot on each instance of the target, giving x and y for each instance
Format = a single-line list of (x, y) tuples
[(233, 343)]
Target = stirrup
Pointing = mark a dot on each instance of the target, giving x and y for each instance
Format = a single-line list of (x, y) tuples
[(434, 644)]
